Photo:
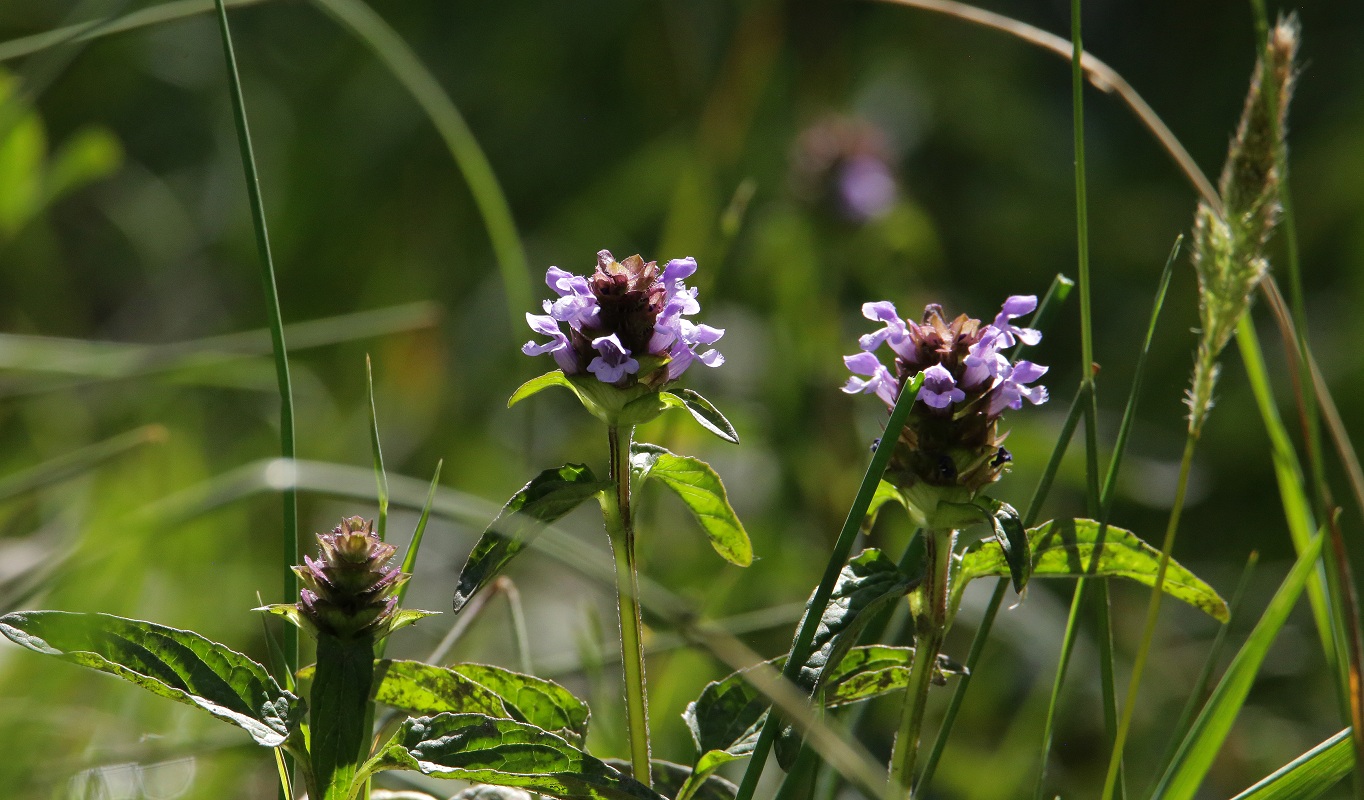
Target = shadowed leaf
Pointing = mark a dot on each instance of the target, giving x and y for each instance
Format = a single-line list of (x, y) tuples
[(181, 665), (549, 496), (503, 752), (681, 782)]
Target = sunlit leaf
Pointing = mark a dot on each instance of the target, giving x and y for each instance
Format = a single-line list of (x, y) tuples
[(181, 665), (504, 752), (537, 385), (549, 496), (703, 412), (542, 703), (700, 489), (1072, 547)]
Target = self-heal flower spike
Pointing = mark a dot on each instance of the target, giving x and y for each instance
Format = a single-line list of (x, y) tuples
[(627, 323), (349, 590), (951, 438)]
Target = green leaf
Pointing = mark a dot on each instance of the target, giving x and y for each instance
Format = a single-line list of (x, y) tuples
[(544, 704), (700, 488), (703, 411), (868, 582), (1071, 548), (886, 492), (504, 752), (727, 716), (873, 670), (685, 783), (488, 793), (1209, 731), (425, 689), (1311, 774), (181, 665), (537, 385), (549, 496), (1012, 538)]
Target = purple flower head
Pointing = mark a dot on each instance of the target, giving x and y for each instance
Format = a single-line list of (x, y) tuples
[(1013, 389), (951, 437), (614, 361), (1017, 306), (623, 312), (939, 389), (879, 381)]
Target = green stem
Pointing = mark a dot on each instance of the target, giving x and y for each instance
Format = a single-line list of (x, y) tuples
[(621, 529), (286, 392), (930, 629), (341, 714), (1152, 614)]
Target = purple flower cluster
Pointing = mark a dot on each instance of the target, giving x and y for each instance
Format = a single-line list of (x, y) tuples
[(626, 317), (350, 589), (967, 384)]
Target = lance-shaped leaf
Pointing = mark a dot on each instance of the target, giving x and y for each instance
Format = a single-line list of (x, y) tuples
[(681, 782), (700, 489), (1012, 538), (504, 752), (549, 496), (868, 582), (544, 704), (1071, 548), (181, 665), (703, 411), (873, 670), (425, 689)]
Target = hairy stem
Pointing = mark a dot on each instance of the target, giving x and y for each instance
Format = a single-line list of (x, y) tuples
[(930, 627), (620, 527)]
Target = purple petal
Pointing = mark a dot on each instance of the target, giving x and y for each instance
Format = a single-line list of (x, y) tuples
[(1027, 372), (679, 269), (614, 362)]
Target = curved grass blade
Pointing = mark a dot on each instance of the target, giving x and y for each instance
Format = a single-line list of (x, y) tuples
[(1204, 740), (389, 47), (180, 665), (549, 495), (1311, 774), (699, 487), (503, 752), (77, 462), (1072, 548), (410, 559)]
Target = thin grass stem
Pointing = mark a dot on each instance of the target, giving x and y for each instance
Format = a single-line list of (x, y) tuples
[(800, 648), (286, 393), (380, 474)]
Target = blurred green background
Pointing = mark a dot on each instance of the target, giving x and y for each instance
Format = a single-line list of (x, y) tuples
[(712, 129)]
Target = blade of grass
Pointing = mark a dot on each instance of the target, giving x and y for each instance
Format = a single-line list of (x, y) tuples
[(492, 203), (1200, 688), (800, 649), (69, 465), (380, 476), (520, 634), (1103, 77), (286, 396), (413, 547), (1106, 497), (76, 363), (105, 26), (1309, 775), (1205, 739)]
